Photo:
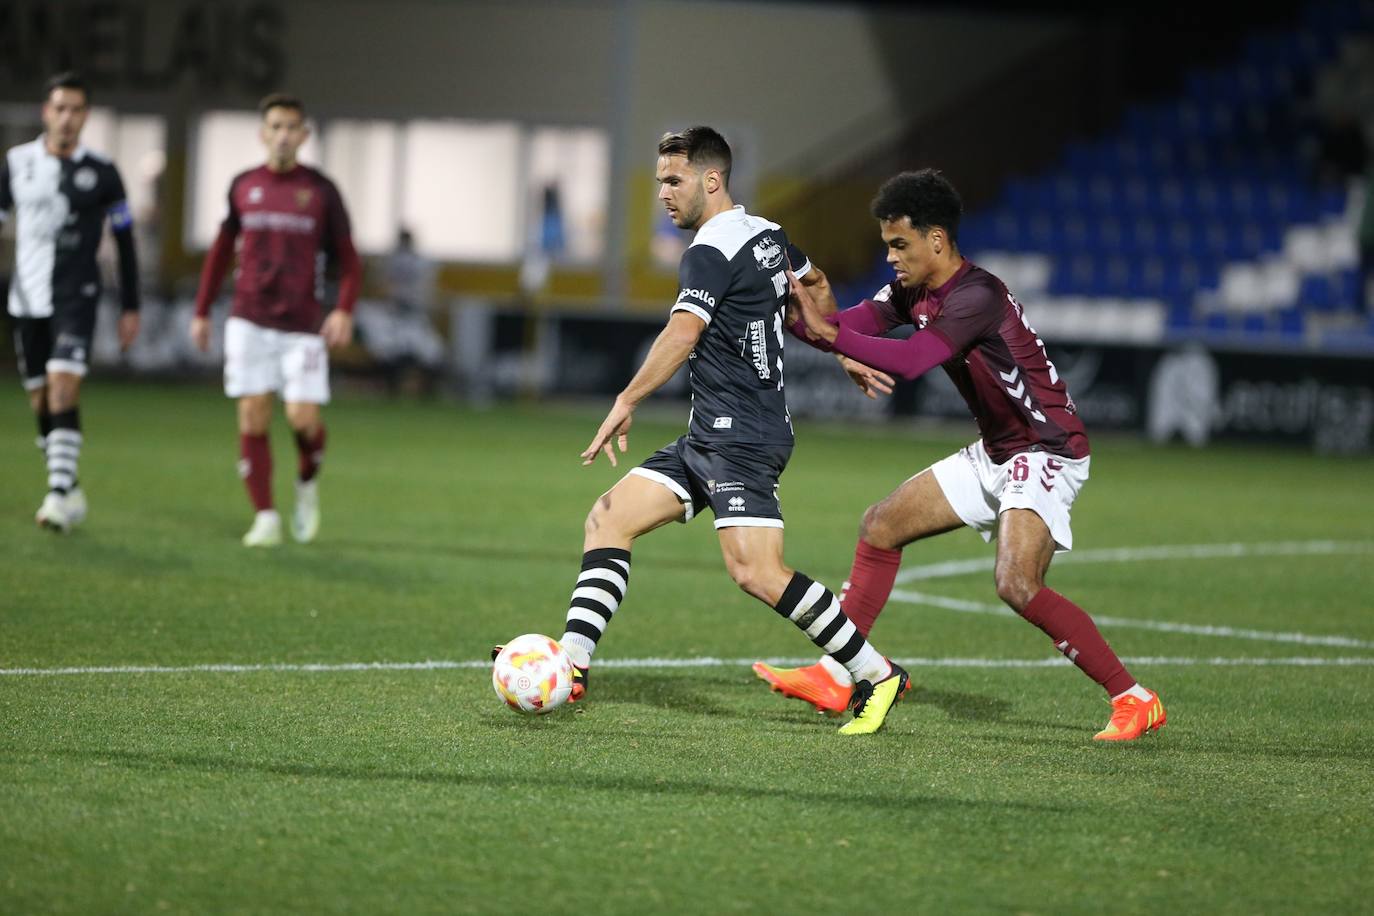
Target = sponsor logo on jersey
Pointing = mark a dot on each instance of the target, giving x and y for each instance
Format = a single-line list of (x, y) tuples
[(255, 195), (736, 504), (273, 221), (729, 486), (758, 345), (84, 179), (724, 422), (699, 295), (768, 253)]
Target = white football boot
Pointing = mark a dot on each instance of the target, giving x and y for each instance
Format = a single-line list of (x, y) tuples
[(266, 530), (75, 505), (305, 519), (53, 513)]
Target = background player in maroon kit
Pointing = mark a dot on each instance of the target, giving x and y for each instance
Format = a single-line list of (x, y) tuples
[(274, 342), (1017, 483)]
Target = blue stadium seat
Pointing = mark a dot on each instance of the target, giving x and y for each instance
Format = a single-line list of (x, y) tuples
[(1291, 322)]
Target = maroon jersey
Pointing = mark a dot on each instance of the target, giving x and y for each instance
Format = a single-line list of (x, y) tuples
[(287, 222), (999, 364)]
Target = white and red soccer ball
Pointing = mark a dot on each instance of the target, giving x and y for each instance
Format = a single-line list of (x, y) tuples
[(532, 674)]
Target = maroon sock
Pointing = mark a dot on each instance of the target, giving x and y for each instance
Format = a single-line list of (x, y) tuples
[(870, 582), (1075, 634), (311, 451), (255, 467)]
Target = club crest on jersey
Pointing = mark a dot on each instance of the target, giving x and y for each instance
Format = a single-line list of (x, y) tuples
[(921, 321), (768, 253), (303, 197), (255, 195), (84, 179)]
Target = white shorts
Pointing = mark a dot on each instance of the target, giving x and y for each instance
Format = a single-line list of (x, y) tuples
[(260, 360), (980, 491)]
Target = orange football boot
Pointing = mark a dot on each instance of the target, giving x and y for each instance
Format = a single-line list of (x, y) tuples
[(1133, 717), (813, 684)]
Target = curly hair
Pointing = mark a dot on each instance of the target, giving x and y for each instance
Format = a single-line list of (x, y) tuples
[(925, 197)]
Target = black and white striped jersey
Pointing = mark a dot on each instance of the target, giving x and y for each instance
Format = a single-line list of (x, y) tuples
[(733, 277), (60, 207)]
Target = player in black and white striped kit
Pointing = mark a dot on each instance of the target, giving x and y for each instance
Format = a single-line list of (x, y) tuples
[(61, 194), (728, 321)]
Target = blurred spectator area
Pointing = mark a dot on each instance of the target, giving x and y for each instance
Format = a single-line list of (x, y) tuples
[(1133, 174), (1226, 210)]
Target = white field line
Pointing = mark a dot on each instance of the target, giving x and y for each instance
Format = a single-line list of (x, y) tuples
[(1162, 626), (953, 568), (931, 571), (702, 662)]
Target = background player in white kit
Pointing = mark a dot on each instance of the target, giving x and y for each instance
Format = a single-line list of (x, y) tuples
[(62, 193)]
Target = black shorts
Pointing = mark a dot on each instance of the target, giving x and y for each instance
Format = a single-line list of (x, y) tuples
[(61, 343), (738, 482)]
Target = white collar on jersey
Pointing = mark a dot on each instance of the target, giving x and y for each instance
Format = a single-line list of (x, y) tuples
[(736, 210), (81, 152)]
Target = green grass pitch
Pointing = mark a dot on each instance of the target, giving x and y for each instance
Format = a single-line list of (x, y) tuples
[(262, 789)]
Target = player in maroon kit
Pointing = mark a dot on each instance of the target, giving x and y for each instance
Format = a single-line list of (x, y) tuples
[(1017, 483), (274, 342)]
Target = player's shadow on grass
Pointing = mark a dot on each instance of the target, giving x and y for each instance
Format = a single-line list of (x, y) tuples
[(675, 693), (965, 707), (566, 778)]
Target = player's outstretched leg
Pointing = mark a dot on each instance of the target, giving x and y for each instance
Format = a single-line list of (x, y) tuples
[(1135, 710), (878, 683), (601, 586), (826, 685)]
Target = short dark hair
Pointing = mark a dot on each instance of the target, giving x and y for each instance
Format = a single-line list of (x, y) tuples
[(701, 146), (281, 100), (67, 79), (925, 197)]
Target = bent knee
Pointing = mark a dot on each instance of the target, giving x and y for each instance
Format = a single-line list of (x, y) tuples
[(874, 527), (598, 516), (755, 585), (1017, 588)]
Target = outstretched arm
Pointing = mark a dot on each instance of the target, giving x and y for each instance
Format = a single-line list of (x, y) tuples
[(908, 358), (674, 344)]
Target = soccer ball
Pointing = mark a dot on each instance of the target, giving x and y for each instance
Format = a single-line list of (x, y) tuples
[(532, 674)]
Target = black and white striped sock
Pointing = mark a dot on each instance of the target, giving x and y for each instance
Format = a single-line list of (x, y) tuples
[(64, 450), (813, 608), (600, 588)]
